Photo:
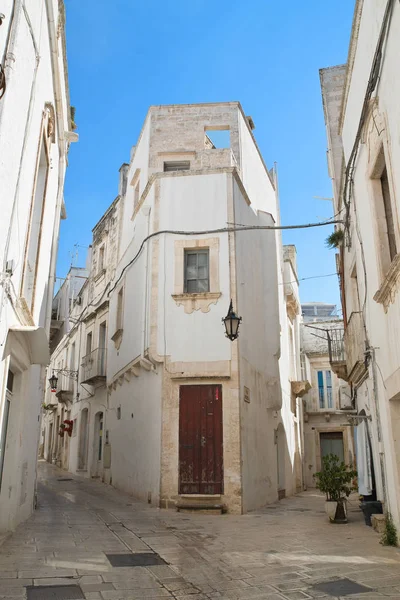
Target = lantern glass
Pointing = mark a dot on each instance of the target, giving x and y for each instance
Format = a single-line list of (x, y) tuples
[(231, 322), (53, 380)]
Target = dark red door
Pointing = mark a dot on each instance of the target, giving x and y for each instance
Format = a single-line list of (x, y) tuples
[(200, 440)]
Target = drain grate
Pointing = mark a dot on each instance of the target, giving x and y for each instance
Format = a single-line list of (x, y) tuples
[(140, 559), (65, 479), (54, 592), (341, 587)]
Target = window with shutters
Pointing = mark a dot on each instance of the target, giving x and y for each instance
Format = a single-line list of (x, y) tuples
[(196, 274), (385, 213), (197, 271), (325, 389)]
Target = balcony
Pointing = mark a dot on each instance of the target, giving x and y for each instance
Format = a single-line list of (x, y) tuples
[(347, 350), (354, 340), (94, 367), (65, 388)]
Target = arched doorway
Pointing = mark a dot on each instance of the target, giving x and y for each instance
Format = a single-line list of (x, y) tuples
[(280, 460), (97, 469), (83, 441)]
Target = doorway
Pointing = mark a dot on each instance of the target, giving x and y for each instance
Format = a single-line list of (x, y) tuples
[(83, 433), (50, 444), (331, 443), (200, 440), (97, 470), (280, 460)]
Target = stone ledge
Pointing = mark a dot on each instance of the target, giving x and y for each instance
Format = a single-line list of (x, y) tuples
[(194, 302), (388, 290)]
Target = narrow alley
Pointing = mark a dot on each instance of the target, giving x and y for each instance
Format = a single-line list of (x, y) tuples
[(87, 535)]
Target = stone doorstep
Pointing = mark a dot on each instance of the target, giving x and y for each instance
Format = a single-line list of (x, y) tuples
[(200, 508), (378, 523)]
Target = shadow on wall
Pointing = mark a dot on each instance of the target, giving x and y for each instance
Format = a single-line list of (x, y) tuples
[(289, 470)]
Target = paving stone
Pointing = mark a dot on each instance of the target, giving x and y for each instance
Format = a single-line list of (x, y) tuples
[(276, 553), (132, 594)]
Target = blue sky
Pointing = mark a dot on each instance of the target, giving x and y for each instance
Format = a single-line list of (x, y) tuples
[(125, 55)]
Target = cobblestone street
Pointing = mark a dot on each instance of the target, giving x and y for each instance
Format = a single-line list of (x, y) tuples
[(279, 553)]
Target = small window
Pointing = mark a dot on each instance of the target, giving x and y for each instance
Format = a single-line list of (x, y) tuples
[(120, 307), (197, 271), (325, 389), (101, 258), (10, 380), (384, 213), (387, 204), (176, 165), (89, 343), (217, 138)]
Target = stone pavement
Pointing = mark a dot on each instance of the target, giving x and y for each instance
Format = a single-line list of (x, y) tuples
[(278, 553)]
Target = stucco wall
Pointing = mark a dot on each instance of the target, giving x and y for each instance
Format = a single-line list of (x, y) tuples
[(380, 315), (20, 136), (259, 349)]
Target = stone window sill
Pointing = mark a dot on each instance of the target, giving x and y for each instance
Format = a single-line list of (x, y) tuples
[(389, 287), (117, 338), (99, 275), (194, 302)]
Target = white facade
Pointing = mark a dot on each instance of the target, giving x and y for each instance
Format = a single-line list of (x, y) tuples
[(165, 343), (329, 400), (63, 302), (362, 113), (35, 132)]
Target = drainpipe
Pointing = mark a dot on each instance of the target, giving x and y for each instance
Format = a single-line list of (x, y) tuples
[(147, 212)]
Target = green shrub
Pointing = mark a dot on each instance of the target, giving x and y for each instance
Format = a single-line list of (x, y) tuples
[(389, 537), (336, 478)]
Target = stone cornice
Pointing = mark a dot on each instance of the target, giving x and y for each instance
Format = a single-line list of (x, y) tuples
[(388, 290)]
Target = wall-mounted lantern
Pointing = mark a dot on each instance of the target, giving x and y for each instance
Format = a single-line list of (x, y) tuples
[(53, 380), (231, 323)]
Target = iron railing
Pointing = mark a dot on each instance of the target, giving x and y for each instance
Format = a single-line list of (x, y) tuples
[(336, 345)]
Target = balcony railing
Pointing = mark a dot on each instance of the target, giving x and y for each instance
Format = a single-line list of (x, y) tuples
[(94, 366), (347, 349), (354, 339)]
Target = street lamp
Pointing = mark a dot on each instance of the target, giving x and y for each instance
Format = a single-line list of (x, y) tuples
[(231, 322), (53, 380)]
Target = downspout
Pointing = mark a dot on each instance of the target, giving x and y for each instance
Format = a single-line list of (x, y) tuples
[(147, 212), (8, 56)]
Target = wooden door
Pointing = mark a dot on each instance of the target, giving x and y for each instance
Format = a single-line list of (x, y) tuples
[(332, 443), (200, 439)]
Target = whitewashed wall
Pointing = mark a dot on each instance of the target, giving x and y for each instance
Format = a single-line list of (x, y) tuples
[(20, 127)]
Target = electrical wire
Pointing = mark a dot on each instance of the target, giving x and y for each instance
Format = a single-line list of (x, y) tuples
[(371, 85), (108, 290), (305, 278)]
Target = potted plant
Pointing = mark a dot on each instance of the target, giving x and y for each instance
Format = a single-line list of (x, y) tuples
[(336, 481)]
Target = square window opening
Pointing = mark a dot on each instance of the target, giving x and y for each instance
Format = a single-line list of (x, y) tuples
[(196, 275), (217, 138)]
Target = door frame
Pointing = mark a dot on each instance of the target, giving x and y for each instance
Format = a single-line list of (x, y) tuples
[(318, 430), (203, 385)]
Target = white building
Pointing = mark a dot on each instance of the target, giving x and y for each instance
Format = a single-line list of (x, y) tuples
[(329, 401), (189, 417), (63, 303), (362, 114), (35, 132)]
